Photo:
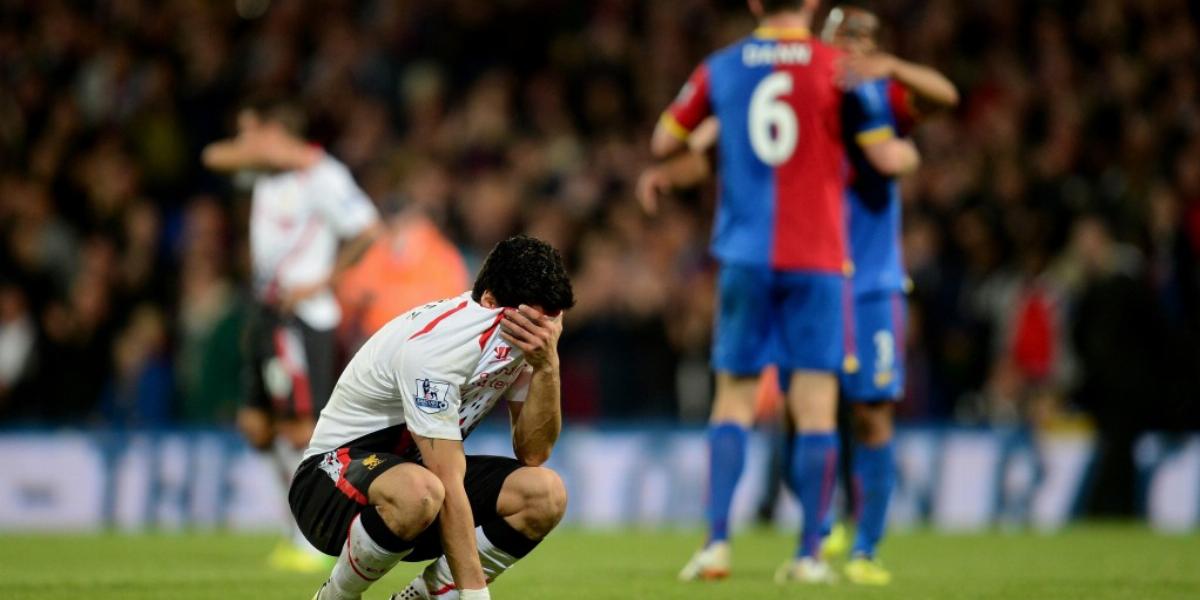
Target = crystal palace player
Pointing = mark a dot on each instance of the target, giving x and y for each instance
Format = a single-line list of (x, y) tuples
[(385, 478), (882, 105), (781, 240)]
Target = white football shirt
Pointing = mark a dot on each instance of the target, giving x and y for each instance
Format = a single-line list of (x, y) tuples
[(296, 220), (435, 371)]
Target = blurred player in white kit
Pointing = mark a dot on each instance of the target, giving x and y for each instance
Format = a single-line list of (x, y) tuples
[(309, 222)]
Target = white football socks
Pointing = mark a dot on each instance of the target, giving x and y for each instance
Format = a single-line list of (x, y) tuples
[(360, 564), (494, 561)]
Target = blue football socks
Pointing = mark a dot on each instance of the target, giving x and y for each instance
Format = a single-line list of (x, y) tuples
[(727, 457), (812, 477), (875, 474)]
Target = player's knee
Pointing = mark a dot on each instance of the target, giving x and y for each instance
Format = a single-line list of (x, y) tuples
[(812, 401), (545, 498), (428, 497), (735, 399), (409, 498)]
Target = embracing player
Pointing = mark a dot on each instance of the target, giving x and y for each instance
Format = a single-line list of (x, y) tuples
[(386, 478), (780, 236), (882, 103), (874, 114), (304, 204)]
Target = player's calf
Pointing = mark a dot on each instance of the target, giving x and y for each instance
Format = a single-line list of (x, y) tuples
[(875, 470), (404, 501), (873, 422), (531, 503), (728, 432), (812, 402)]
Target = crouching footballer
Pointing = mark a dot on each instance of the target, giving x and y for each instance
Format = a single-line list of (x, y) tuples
[(386, 479)]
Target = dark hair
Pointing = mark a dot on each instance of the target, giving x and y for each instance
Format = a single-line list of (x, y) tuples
[(865, 5), (277, 109), (775, 6), (525, 270)]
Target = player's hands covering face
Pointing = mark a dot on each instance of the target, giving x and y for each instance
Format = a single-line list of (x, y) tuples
[(534, 333)]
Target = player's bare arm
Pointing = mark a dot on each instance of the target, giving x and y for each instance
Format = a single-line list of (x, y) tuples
[(685, 170), (927, 83), (896, 156), (682, 170), (353, 249), (704, 138), (265, 149), (229, 155), (666, 141), (537, 421), (446, 460)]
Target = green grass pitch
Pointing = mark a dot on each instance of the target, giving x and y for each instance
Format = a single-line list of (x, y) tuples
[(1087, 563)]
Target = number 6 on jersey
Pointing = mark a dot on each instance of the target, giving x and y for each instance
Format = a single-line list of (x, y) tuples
[(773, 127)]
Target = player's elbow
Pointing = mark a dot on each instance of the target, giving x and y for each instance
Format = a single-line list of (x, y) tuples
[(533, 450), (894, 157), (535, 460), (664, 144), (533, 457)]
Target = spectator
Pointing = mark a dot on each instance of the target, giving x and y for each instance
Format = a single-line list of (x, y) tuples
[(17, 339), (208, 361), (1119, 339), (140, 392), (1067, 112)]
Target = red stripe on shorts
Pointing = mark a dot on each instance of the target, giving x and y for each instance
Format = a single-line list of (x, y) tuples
[(849, 324), (301, 387), (343, 455)]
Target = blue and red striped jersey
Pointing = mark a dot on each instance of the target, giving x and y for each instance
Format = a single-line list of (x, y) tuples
[(781, 159), (882, 110)]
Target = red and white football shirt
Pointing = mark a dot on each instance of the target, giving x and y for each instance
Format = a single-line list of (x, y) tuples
[(435, 371)]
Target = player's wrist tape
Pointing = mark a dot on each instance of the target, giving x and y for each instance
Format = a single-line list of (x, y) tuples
[(482, 594)]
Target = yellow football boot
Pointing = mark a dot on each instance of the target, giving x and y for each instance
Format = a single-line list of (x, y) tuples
[(836, 546), (865, 571), (287, 557)]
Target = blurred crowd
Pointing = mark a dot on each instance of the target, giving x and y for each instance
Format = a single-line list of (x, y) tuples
[(1052, 233)]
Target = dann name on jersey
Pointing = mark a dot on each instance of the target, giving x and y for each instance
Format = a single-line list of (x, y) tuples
[(754, 55)]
